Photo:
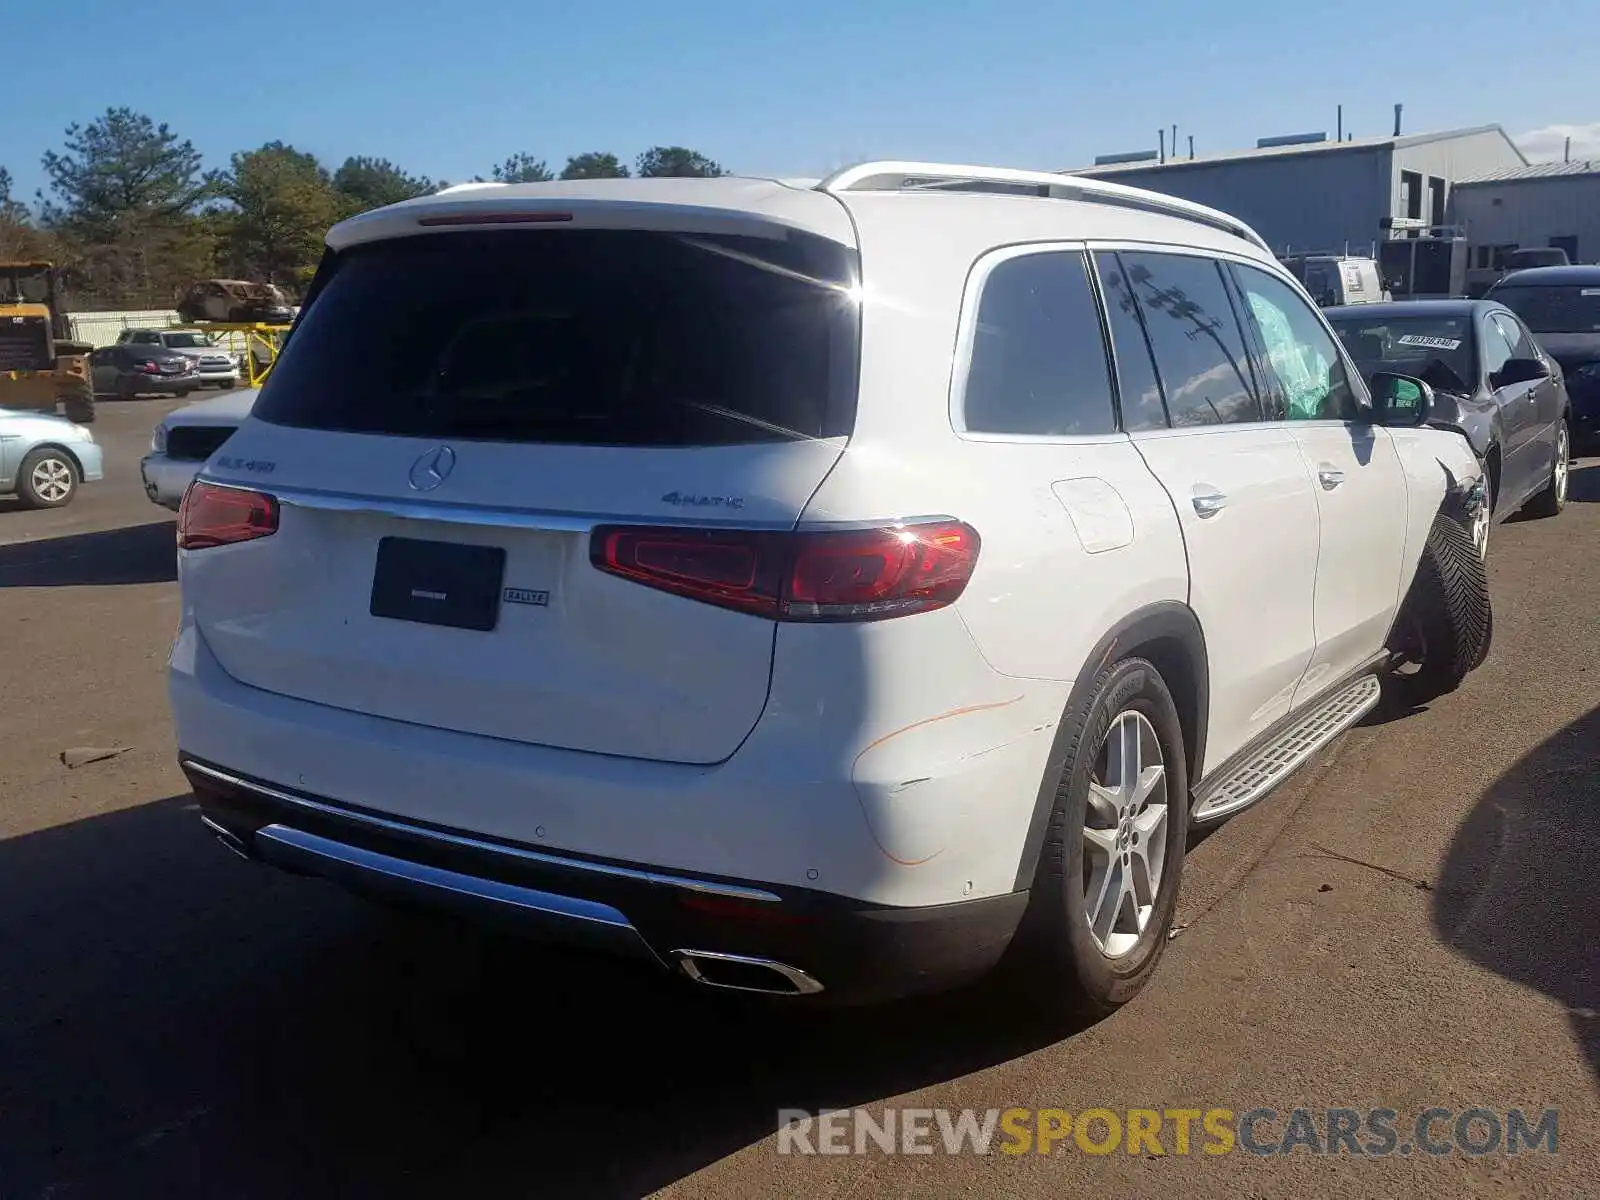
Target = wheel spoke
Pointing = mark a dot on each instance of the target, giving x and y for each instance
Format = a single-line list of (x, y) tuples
[(1150, 779), (1150, 843), (1104, 886), (1131, 755), (1104, 801), (1103, 840)]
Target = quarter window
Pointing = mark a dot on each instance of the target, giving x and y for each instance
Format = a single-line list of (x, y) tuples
[(1199, 349), (1301, 354), (1038, 363)]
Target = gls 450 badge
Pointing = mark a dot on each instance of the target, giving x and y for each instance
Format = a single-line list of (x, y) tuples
[(692, 499)]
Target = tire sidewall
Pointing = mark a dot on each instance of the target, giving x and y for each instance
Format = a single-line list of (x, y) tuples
[(1132, 685)]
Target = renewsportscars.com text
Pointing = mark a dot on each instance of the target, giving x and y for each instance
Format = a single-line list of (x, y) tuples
[(1360, 1133)]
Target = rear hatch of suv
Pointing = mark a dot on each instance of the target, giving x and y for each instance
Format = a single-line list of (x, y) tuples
[(455, 416)]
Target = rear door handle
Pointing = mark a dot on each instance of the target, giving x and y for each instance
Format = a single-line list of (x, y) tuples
[(1329, 477), (1209, 503)]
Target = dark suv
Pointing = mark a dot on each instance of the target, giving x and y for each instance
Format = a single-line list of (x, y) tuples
[(1561, 307)]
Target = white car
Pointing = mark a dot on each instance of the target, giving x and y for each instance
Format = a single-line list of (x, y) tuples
[(213, 365), (185, 438), (806, 587)]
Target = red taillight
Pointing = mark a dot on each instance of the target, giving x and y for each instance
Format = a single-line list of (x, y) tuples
[(213, 515), (810, 575)]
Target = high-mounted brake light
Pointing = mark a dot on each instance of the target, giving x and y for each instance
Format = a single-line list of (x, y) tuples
[(213, 515), (498, 218), (808, 575)]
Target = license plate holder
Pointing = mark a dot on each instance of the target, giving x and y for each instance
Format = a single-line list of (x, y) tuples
[(438, 583)]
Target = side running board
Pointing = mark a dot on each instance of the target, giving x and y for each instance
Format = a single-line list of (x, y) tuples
[(1241, 785)]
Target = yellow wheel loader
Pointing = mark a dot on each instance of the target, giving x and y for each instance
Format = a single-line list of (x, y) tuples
[(41, 366)]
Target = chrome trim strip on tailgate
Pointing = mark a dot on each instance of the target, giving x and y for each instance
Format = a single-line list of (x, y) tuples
[(472, 514), (579, 920), (732, 891)]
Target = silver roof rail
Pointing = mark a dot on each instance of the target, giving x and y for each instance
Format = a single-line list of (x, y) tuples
[(891, 175)]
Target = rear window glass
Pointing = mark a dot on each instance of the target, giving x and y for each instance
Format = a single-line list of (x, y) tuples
[(595, 337), (1554, 309)]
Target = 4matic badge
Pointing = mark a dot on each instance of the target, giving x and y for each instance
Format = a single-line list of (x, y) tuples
[(692, 499)]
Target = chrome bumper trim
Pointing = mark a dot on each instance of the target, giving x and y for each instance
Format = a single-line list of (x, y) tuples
[(639, 875), (575, 920)]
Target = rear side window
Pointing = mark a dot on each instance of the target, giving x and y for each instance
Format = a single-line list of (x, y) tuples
[(1038, 363), (1199, 348), (594, 337), (1137, 385)]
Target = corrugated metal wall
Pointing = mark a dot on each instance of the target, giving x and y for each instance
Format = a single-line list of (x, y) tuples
[(1529, 212), (1299, 202), (102, 328)]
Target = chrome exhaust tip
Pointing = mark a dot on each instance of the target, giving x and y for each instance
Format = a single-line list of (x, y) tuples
[(740, 973), (228, 838)]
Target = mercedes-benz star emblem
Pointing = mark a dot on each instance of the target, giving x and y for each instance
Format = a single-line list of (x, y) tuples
[(433, 468)]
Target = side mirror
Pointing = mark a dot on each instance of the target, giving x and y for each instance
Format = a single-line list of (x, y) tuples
[(1520, 370), (1400, 400)]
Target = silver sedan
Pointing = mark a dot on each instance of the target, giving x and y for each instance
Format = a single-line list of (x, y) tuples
[(44, 459)]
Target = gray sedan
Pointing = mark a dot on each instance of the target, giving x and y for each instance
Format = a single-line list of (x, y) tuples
[(1491, 380), (44, 458)]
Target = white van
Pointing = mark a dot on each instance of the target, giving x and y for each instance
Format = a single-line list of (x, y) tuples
[(1334, 279)]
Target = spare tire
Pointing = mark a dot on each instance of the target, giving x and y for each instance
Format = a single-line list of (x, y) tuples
[(1446, 622)]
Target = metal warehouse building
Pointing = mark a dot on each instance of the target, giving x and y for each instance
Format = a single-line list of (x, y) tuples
[(1307, 194), (1552, 204)]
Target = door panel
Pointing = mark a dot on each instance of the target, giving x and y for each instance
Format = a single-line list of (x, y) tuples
[(1518, 416), (1238, 484), (1252, 566), (1542, 402), (1361, 506), (1358, 484)]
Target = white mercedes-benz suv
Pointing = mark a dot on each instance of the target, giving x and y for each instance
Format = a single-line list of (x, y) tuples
[(839, 587)]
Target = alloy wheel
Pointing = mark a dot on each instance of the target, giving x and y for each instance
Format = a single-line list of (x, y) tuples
[(52, 480), (1124, 834)]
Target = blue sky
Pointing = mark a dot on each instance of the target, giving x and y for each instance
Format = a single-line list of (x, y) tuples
[(448, 89)]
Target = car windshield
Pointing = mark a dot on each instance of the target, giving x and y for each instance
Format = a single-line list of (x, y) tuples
[(1554, 309), (1437, 349), (187, 341)]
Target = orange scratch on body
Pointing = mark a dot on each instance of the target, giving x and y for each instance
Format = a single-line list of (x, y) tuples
[(894, 733)]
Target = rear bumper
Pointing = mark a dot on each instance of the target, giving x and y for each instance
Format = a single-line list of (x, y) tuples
[(723, 933), (933, 810), (165, 479)]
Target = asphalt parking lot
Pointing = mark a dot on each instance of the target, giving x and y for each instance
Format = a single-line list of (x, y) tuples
[(1411, 922)]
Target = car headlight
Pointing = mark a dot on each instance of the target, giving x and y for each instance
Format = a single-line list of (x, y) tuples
[(158, 440), (84, 433)]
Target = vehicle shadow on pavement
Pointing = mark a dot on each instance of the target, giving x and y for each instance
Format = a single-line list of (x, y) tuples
[(1583, 485), (174, 1021), (1517, 892), (134, 554)]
